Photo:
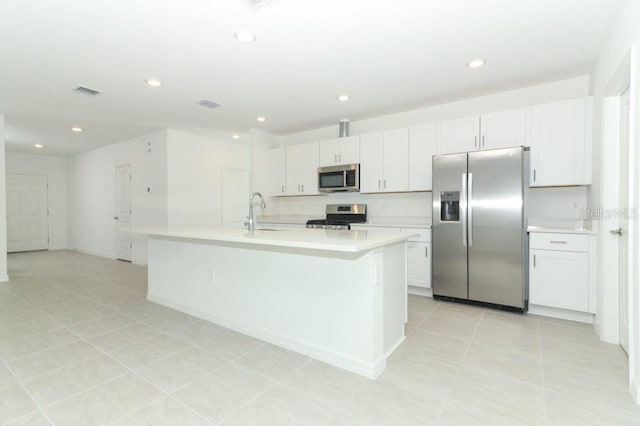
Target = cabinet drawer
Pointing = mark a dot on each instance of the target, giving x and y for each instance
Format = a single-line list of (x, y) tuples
[(424, 235), (560, 242)]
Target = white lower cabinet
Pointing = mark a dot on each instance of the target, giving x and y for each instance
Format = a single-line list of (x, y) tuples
[(560, 271), (418, 253), (419, 264)]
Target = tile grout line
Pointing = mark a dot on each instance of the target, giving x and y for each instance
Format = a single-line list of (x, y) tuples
[(464, 357)]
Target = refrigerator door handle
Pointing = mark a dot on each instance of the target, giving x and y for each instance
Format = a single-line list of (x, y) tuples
[(463, 210), (470, 209)]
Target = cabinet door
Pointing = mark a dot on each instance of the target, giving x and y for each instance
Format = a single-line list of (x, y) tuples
[(349, 150), (329, 150), (395, 160), (371, 150), (459, 135), (558, 144), (278, 167), (418, 264), (309, 172), (559, 279), (423, 145), (503, 129), (294, 169)]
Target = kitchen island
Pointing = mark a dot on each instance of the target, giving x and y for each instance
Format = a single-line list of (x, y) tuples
[(336, 296)]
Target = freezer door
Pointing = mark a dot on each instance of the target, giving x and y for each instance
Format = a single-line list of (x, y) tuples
[(449, 267), (495, 227)]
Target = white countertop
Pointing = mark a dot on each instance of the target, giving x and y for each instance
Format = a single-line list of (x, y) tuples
[(399, 222), (315, 239), (283, 219), (560, 226), (555, 230)]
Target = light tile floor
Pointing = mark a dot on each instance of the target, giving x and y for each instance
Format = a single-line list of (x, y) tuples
[(79, 344)]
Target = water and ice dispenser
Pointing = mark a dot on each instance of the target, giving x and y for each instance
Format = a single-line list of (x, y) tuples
[(450, 206)]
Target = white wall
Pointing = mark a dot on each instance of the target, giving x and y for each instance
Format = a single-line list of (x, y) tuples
[(549, 92), (91, 179), (205, 177), (624, 36), (3, 207), (55, 169)]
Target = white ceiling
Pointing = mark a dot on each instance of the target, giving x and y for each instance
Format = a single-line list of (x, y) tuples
[(389, 56)]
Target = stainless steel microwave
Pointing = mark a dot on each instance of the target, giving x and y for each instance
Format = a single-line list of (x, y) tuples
[(343, 178)]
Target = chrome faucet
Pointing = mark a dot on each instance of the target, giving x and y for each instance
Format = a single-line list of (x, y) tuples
[(252, 224)]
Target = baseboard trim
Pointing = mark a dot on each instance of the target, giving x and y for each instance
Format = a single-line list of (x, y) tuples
[(420, 291), (369, 370), (635, 391), (94, 253), (566, 314), (4, 278)]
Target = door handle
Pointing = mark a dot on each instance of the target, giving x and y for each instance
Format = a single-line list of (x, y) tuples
[(470, 209), (463, 212), (617, 232)]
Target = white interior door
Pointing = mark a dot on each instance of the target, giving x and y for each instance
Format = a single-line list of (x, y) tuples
[(623, 230), (123, 212), (27, 213)]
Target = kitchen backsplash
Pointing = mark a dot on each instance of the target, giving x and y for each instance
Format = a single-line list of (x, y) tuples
[(544, 203)]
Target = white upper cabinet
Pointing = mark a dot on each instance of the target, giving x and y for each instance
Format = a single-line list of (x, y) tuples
[(278, 168), (561, 143), (459, 135), (302, 169), (340, 151), (501, 129), (423, 145), (384, 161)]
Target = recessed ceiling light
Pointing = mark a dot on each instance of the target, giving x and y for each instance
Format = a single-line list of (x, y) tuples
[(38, 145), (77, 129), (235, 136), (154, 82), (477, 63), (244, 36), (343, 98), (261, 119)]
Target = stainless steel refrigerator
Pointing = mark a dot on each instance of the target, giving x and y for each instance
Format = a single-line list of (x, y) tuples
[(479, 235)]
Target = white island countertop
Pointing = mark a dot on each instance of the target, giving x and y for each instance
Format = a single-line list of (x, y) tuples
[(313, 239)]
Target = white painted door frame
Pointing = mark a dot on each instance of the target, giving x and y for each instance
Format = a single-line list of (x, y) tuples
[(123, 212), (608, 319)]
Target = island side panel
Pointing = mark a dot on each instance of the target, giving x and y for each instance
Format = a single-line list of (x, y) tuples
[(395, 296), (327, 307)]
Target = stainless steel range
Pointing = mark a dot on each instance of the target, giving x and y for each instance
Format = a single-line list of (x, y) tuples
[(340, 216)]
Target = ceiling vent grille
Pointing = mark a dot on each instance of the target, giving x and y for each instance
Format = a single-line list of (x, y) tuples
[(86, 91), (208, 104), (255, 5)]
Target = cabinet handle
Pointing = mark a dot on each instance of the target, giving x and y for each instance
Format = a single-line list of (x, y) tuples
[(426, 252), (534, 175), (557, 242), (475, 141), (384, 184), (482, 140), (534, 260), (302, 187), (335, 158), (282, 188), (379, 184), (340, 157)]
